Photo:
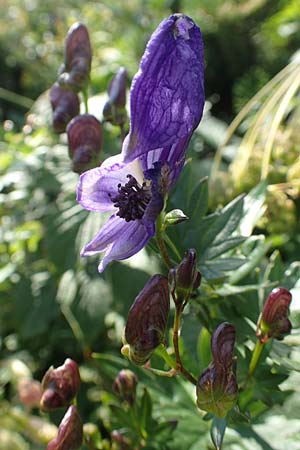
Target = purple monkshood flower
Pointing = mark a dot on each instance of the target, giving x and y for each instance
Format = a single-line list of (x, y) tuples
[(166, 102)]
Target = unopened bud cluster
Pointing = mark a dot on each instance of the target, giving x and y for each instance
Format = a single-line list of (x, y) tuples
[(84, 131)]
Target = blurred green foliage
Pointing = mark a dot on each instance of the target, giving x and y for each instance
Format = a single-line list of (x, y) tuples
[(55, 305)]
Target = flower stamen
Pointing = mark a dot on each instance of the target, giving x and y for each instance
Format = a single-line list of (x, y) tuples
[(132, 199)]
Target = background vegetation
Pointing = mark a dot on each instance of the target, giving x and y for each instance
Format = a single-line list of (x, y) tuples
[(55, 305)]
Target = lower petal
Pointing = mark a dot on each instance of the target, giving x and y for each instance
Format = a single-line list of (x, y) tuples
[(106, 236), (133, 237), (97, 186)]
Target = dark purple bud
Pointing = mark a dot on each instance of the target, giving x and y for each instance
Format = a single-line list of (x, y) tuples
[(84, 141), (147, 320), (114, 109), (75, 72), (60, 386), (217, 388), (167, 93), (185, 278), (65, 105), (117, 88), (70, 432), (273, 321), (125, 385)]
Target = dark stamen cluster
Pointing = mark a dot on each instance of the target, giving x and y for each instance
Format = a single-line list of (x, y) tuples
[(132, 199)]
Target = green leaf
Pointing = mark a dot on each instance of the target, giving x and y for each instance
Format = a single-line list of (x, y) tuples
[(203, 348), (217, 432), (254, 208), (145, 413)]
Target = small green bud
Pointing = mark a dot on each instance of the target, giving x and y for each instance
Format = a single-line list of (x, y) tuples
[(174, 217)]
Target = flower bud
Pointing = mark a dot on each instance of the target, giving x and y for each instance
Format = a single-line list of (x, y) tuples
[(147, 320), (125, 385), (60, 385), (84, 140), (273, 321), (30, 392), (70, 433), (65, 106), (114, 109), (217, 387), (185, 278), (75, 71)]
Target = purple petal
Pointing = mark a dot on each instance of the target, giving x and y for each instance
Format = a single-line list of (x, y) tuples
[(131, 239), (167, 94), (112, 229), (97, 186), (174, 155)]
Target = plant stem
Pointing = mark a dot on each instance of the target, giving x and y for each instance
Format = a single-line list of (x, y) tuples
[(255, 357), (85, 100), (172, 246), (160, 241), (176, 328), (162, 352)]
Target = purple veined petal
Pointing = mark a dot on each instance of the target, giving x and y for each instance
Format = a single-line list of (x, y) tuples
[(167, 94), (105, 237), (131, 239), (174, 155), (97, 186)]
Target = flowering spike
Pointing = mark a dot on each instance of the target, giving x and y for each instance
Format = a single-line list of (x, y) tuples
[(60, 385), (217, 387), (125, 385), (70, 432), (65, 105), (167, 93), (85, 141), (273, 321), (75, 71), (185, 278), (147, 320)]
